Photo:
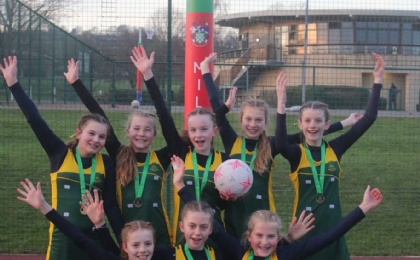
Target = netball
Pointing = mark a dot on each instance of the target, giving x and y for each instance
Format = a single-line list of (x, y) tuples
[(135, 104), (233, 178)]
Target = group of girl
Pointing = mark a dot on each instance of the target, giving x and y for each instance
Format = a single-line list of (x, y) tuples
[(131, 180)]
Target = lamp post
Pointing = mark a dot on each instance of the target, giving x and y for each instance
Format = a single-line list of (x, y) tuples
[(305, 50)]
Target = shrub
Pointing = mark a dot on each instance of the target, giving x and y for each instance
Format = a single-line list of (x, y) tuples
[(336, 97)]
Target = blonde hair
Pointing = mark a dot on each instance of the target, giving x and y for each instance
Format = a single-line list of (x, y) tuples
[(262, 216), (131, 227), (195, 112), (126, 165), (83, 122), (316, 105), (264, 148)]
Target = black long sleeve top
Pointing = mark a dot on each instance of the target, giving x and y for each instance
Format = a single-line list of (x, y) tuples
[(228, 134), (56, 150), (340, 144), (112, 144)]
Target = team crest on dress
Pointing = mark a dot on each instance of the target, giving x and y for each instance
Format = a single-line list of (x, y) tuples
[(331, 167), (153, 168), (200, 33)]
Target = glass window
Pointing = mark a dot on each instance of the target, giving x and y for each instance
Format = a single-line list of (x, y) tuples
[(406, 34), (361, 33), (382, 37), (394, 37), (322, 33), (416, 37), (312, 33), (347, 33), (334, 25), (334, 36), (372, 33)]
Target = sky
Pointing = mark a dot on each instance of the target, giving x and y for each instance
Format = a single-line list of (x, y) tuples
[(105, 13)]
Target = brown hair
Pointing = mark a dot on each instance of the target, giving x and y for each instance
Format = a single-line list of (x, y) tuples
[(262, 216), (316, 105), (197, 111), (264, 147), (83, 121), (197, 206), (126, 165), (132, 226)]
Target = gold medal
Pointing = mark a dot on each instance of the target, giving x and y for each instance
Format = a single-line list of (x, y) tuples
[(137, 203), (320, 198), (82, 211)]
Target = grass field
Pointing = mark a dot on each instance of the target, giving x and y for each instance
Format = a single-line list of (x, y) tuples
[(385, 157)]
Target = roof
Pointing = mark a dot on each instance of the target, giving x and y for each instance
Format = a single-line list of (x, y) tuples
[(237, 20)]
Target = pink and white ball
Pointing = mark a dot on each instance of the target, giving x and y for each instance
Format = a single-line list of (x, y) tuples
[(233, 178)]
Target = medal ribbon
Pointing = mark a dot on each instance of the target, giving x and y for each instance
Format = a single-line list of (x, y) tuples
[(188, 253), (82, 174), (243, 153), (139, 186), (198, 189), (319, 183), (251, 256)]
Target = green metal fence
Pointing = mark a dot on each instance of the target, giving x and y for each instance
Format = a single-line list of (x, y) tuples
[(254, 41)]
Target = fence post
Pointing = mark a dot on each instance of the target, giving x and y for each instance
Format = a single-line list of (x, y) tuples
[(113, 89)]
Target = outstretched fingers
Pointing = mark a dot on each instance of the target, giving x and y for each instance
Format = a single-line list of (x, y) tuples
[(211, 58)]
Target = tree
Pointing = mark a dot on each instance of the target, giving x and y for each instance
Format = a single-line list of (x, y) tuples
[(15, 15)]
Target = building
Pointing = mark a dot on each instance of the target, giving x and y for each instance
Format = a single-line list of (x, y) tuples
[(338, 47)]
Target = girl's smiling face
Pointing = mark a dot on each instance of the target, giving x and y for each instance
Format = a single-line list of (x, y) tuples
[(141, 132), (263, 238), (196, 227), (253, 122), (91, 138), (140, 245), (201, 131), (313, 124)]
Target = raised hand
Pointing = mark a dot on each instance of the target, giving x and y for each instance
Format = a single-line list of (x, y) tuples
[(142, 62), (351, 120), (9, 70), (205, 64), (281, 83), (300, 227), (179, 170), (72, 73), (371, 199), (231, 100), (379, 68), (33, 196), (94, 208)]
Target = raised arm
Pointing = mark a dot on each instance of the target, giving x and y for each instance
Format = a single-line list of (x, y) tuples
[(343, 142), (112, 144), (371, 199), (227, 133), (335, 127), (169, 131), (290, 151), (212, 90), (109, 196), (33, 196), (49, 141), (94, 208)]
